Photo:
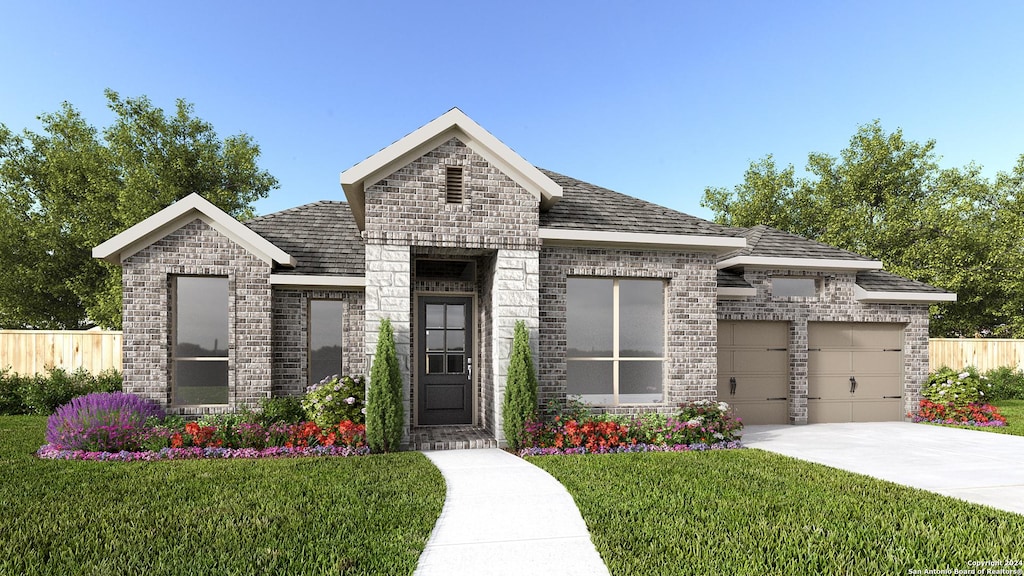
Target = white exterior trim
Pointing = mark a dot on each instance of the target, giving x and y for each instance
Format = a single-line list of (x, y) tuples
[(862, 295), (317, 281), (733, 293), (453, 123), (800, 263), (565, 237), (173, 217)]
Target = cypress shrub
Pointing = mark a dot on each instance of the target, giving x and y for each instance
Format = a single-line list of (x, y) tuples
[(384, 415), (520, 403)]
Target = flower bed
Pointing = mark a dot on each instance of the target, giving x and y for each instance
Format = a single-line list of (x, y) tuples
[(973, 414), (701, 425)]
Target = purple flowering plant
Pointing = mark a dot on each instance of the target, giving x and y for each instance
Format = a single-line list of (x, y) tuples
[(101, 421)]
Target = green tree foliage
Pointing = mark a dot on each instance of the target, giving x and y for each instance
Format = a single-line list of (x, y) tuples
[(520, 403), (384, 413), (70, 187), (886, 197)]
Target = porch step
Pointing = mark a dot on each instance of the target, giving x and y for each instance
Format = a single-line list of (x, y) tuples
[(426, 438)]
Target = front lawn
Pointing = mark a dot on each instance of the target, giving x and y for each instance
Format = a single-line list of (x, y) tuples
[(360, 515), (753, 512)]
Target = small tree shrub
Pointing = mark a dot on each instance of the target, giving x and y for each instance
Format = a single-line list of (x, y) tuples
[(102, 421), (947, 386), (384, 413), (1005, 383), (336, 399), (520, 403), (283, 409)]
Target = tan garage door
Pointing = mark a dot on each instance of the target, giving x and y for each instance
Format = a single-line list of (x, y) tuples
[(753, 370), (854, 372)]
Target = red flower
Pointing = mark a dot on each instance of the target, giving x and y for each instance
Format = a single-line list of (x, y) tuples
[(176, 440)]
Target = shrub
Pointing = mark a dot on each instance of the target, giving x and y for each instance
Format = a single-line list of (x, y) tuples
[(947, 386), (43, 393), (335, 399), (384, 416), (1005, 383), (284, 409), (520, 403), (12, 400), (715, 420), (102, 421), (974, 414)]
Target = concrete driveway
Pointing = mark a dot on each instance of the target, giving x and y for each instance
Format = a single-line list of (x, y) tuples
[(976, 466)]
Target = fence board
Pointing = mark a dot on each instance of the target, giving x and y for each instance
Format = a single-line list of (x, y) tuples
[(983, 353), (33, 351)]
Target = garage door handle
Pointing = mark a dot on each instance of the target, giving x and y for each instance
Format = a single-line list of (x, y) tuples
[(892, 396), (732, 386), (853, 384), (814, 397), (782, 398)]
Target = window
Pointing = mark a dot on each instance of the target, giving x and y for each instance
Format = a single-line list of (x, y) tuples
[(453, 184), (616, 340), (325, 325), (200, 343), (794, 287)]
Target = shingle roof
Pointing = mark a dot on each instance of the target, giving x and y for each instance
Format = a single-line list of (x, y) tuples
[(767, 241), (321, 236), (730, 280), (585, 206), (881, 281)]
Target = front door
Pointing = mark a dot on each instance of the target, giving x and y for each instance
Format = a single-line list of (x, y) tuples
[(444, 360)]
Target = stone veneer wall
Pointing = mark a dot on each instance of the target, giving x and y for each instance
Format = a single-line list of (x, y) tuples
[(691, 330), (196, 249), (291, 336), (835, 303), (514, 296), (388, 293)]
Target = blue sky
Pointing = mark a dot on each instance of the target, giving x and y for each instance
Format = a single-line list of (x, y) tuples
[(654, 99)]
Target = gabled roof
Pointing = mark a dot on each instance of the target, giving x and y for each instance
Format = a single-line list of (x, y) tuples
[(321, 236), (453, 123), (173, 217), (770, 247), (881, 286)]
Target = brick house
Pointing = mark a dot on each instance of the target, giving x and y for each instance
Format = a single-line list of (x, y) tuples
[(454, 237)]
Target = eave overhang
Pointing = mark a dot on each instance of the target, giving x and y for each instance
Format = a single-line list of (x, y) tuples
[(312, 281), (894, 297), (639, 240), (799, 263)]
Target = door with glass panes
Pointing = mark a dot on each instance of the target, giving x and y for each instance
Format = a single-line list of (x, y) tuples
[(444, 352)]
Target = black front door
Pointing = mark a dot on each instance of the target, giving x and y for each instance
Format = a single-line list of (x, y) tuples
[(444, 352)]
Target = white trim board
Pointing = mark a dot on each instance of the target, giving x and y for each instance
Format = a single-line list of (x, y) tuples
[(173, 217), (735, 293), (800, 263), (862, 295), (569, 237), (317, 281)]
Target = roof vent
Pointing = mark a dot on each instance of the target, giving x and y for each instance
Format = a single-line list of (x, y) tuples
[(453, 184)]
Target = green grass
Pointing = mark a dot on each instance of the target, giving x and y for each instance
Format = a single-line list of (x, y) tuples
[(366, 515), (753, 512)]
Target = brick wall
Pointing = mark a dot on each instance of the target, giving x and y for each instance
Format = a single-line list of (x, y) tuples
[(196, 249), (291, 337), (835, 303), (691, 330)]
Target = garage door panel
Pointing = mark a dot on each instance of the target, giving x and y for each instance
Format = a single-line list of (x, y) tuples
[(753, 413), (874, 387), (760, 361), (760, 334), (876, 411), (828, 335), (821, 411), (752, 388), (829, 388), (881, 336), (876, 362), (828, 362)]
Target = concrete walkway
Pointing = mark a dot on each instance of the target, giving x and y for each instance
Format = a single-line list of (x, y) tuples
[(503, 515), (976, 466)]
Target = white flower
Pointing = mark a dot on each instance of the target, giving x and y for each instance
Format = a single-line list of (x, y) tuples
[(963, 375), (980, 392), (719, 436), (350, 400), (337, 387), (363, 410), (329, 398), (942, 392), (723, 406)]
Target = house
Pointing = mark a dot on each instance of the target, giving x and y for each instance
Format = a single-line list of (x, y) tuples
[(455, 237)]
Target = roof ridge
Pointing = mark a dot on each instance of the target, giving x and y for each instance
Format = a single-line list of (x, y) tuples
[(293, 209)]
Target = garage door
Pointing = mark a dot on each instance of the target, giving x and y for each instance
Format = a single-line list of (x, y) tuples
[(854, 372), (753, 370)]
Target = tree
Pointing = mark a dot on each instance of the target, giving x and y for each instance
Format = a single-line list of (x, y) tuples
[(384, 413), (520, 403), (887, 198), (70, 187)]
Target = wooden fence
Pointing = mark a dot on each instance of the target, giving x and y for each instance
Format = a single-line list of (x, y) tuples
[(33, 351), (983, 353)]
